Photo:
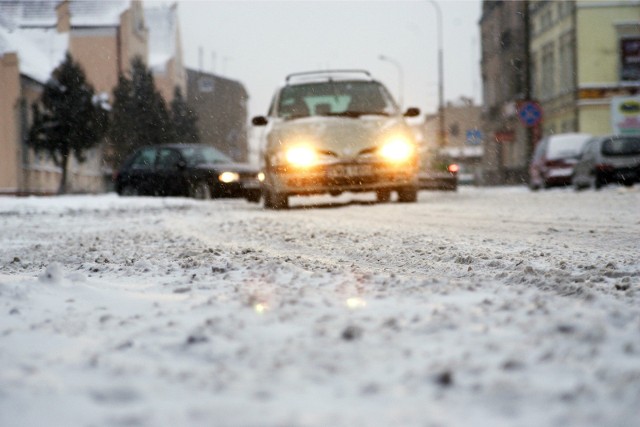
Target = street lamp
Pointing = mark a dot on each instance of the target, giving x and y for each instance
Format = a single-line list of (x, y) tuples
[(400, 76), (443, 132)]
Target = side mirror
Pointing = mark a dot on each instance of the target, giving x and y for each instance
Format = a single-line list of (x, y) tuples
[(259, 121), (412, 112), (181, 164)]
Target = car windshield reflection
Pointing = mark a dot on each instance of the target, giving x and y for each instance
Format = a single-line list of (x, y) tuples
[(340, 98)]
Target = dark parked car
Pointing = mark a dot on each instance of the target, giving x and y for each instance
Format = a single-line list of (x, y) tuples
[(191, 170), (554, 159), (608, 159)]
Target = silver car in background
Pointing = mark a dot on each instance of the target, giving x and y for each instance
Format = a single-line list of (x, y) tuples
[(606, 160)]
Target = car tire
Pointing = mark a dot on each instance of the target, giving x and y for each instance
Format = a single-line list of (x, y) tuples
[(253, 196), (596, 182), (408, 195), (275, 200), (201, 191), (383, 196)]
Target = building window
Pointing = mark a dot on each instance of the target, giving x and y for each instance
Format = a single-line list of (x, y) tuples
[(505, 40), (630, 59), (454, 130), (535, 73), (205, 84), (566, 56), (548, 71)]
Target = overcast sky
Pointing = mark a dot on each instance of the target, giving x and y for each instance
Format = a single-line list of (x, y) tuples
[(259, 42)]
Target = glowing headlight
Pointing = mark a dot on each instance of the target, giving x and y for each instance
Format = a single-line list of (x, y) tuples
[(261, 176), (228, 177), (301, 156), (397, 150)]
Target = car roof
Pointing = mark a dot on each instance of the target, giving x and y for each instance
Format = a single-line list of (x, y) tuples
[(178, 145), (322, 76)]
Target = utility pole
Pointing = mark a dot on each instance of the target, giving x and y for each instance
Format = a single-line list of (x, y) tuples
[(442, 141)]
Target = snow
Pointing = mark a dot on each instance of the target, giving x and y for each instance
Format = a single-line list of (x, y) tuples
[(162, 21), (40, 50), (97, 14), (486, 307)]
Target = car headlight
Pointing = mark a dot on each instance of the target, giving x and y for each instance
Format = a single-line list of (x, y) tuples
[(397, 149), (301, 156), (261, 176), (228, 177)]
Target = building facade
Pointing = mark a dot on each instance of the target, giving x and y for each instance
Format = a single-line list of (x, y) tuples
[(465, 139), (221, 106), (584, 55), (103, 37), (504, 68)]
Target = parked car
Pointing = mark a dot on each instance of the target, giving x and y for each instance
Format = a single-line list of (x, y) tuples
[(438, 172), (608, 159), (336, 131), (554, 159), (191, 170)]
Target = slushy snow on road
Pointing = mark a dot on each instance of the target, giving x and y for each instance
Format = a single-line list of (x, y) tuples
[(485, 307)]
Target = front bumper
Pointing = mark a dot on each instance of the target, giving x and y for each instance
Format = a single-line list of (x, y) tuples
[(341, 177), (243, 188)]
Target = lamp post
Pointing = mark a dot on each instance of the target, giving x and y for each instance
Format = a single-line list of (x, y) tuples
[(400, 77), (443, 133)]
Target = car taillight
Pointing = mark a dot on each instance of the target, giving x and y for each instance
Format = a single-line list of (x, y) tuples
[(453, 168), (557, 163)]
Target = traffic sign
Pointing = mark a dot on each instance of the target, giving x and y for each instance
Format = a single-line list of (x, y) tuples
[(529, 113), (474, 137)]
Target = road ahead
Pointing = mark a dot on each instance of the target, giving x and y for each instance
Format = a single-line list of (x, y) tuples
[(484, 307)]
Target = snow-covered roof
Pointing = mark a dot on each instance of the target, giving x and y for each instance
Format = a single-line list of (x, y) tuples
[(19, 13), (97, 13), (40, 50), (162, 21), (42, 13)]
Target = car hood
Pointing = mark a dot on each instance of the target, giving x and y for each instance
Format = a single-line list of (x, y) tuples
[(343, 136)]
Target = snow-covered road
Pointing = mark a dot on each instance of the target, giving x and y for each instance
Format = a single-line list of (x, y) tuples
[(485, 307)]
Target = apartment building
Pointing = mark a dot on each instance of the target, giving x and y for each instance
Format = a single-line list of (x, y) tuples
[(584, 54), (221, 106)]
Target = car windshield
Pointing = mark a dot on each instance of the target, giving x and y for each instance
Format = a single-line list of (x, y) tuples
[(204, 155), (626, 146), (566, 146), (341, 98)]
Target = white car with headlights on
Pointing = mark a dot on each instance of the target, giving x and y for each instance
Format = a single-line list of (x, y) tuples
[(336, 131)]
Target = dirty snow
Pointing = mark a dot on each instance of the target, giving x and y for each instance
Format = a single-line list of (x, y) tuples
[(486, 307)]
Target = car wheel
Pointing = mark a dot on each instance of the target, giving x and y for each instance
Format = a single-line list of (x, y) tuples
[(275, 200), (383, 196), (201, 191), (596, 182), (408, 195), (128, 191), (253, 196)]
